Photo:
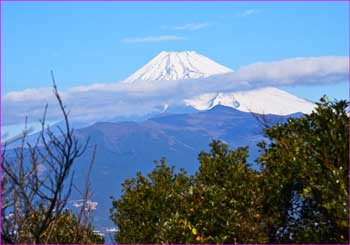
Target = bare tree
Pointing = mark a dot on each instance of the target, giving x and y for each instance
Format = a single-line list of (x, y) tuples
[(37, 183)]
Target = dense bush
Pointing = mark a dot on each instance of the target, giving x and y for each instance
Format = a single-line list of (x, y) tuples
[(306, 182)]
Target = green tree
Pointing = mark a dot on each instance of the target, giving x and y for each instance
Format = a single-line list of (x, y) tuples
[(220, 204), (225, 203), (305, 172), (147, 204)]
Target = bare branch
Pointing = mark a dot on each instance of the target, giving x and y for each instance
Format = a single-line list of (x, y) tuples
[(34, 180)]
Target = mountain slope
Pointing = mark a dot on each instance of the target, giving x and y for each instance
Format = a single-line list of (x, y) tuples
[(123, 148), (177, 66)]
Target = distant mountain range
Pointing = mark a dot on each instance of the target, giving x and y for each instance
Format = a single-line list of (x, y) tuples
[(178, 132)]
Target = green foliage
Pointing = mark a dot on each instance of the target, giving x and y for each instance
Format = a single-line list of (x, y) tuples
[(229, 198), (148, 203), (220, 204), (300, 195), (64, 230), (305, 169)]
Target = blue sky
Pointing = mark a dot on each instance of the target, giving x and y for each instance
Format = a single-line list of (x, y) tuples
[(87, 42)]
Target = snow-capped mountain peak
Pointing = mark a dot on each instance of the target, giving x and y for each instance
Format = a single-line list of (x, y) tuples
[(177, 66)]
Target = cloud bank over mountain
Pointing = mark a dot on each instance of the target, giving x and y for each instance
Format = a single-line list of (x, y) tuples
[(106, 101)]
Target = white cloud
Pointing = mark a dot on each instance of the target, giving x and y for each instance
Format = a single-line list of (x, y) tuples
[(310, 70), (29, 94), (89, 205), (150, 39), (107, 101), (248, 12), (188, 26)]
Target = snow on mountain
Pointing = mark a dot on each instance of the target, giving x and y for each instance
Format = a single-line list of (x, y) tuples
[(191, 65), (268, 100), (177, 66)]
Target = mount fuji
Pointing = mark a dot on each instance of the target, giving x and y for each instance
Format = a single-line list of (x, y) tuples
[(177, 66), (185, 65)]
